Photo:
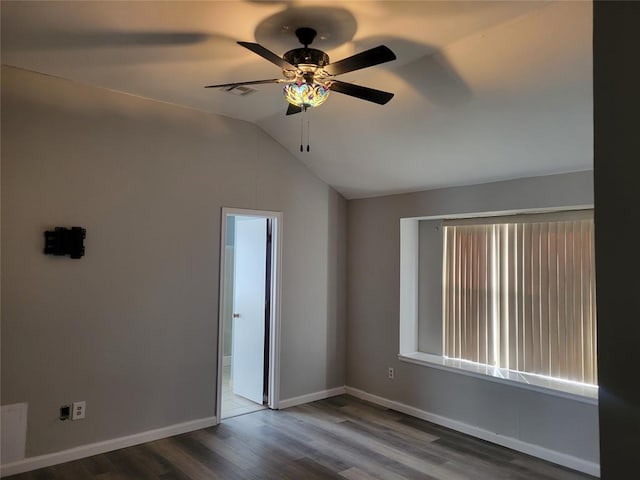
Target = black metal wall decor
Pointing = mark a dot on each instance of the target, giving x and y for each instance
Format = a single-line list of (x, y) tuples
[(65, 241)]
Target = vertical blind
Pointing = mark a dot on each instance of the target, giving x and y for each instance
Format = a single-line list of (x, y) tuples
[(521, 295)]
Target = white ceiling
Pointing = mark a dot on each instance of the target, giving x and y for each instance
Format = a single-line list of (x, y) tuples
[(483, 90)]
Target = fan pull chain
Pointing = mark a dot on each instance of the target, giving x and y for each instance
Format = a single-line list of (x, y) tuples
[(302, 116), (301, 130)]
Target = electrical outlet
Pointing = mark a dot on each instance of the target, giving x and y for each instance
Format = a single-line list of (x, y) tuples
[(390, 374), (78, 410)]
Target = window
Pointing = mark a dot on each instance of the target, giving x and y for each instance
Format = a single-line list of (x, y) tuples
[(519, 293)]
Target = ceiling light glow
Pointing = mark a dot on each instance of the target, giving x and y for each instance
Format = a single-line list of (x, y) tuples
[(305, 95)]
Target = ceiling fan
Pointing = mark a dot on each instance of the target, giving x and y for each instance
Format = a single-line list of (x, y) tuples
[(309, 77)]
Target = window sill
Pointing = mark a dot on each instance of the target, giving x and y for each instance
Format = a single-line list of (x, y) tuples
[(549, 386)]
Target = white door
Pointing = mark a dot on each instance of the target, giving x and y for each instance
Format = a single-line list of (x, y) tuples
[(247, 343)]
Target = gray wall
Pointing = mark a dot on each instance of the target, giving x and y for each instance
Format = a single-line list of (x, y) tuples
[(132, 327), (552, 422), (616, 166)]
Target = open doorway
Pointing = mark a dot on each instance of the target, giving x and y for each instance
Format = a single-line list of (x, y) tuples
[(249, 317)]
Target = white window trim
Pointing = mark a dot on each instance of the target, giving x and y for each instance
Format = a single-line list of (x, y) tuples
[(550, 386), (408, 348)]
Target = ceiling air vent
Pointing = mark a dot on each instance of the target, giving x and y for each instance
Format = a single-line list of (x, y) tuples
[(240, 90)]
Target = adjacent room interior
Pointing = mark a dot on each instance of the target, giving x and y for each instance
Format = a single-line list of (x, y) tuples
[(407, 251)]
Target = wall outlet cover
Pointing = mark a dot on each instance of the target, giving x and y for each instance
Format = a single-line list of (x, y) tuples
[(78, 410)]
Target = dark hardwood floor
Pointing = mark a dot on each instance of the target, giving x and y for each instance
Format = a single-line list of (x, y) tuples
[(341, 437)]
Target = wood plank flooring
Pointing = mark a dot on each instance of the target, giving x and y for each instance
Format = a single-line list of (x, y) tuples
[(341, 438)]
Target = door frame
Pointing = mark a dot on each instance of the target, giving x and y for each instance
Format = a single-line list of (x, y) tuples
[(276, 296)]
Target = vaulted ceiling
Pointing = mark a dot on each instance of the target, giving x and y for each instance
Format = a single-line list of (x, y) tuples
[(484, 91)]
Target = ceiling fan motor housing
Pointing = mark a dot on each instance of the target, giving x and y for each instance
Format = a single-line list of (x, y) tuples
[(306, 56)]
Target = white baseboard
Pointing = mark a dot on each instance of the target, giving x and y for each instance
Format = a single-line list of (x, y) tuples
[(310, 397), (33, 463), (563, 459), (226, 361)]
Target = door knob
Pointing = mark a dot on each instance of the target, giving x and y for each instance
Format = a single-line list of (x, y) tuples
[(236, 315)]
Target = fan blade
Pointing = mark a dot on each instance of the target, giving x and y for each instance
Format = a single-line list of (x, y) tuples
[(368, 58), (364, 93), (252, 82), (292, 109), (268, 55)]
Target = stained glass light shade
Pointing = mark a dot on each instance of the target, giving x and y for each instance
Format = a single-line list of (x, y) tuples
[(304, 95)]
